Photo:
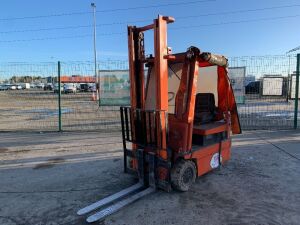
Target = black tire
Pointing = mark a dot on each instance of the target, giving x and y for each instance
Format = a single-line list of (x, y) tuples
[(183, 175)]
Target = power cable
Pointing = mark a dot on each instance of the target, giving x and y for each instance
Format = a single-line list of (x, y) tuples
[(106, 10), (235, 22), (276, 146), (239, 11), (293, 50), (62, 37), (144, 20), (173, 28)]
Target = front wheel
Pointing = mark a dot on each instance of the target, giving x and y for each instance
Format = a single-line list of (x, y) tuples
[(183, 175)]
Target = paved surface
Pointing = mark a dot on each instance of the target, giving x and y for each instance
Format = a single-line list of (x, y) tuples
[(46, 177)]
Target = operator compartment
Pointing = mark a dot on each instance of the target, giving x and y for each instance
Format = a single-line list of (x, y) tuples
[(209, 126), (207, 129)]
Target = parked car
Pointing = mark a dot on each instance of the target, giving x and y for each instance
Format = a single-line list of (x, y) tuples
[(78, 87), (19, 87), (253, 87), (84, 87), (3, 87), (92, 88), (40, 85), (32, 85), (48, 87), (12, 87), (70, 88), (55, 88)]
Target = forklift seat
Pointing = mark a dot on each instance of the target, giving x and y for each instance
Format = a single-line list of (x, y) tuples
[(210, 128), (205, 113), (205, 109)]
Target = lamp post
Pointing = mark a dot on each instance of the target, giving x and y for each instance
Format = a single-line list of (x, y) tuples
[(97, 79)]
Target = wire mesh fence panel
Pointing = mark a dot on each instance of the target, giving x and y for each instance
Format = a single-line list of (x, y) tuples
[(264, 87), (26, 99), (83, 108), (268, 103)]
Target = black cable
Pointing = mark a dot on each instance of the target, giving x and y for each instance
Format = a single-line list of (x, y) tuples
[(236, 22), (281, 149), (62, 37), (45, 29), (71, 27), (146, 20), (174, 72), (154, 6), (105, 10), (238, 11), (174, 28)]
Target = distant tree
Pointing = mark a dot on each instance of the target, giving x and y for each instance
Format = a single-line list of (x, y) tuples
[(13, 79), (27, 79)]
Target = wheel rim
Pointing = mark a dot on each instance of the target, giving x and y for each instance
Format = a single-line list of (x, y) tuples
[(187, 175)]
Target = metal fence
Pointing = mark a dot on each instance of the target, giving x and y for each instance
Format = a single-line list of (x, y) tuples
[(269, 91), (24, 105), (29, 94), (29, 98)]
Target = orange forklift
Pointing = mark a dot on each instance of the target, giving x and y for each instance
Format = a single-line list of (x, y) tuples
[(180, 121)]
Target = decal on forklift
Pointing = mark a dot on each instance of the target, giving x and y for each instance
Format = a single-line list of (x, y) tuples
[(214, 162)]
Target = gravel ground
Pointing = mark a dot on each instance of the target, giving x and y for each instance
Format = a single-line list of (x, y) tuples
[(37, 110), (46, 177)]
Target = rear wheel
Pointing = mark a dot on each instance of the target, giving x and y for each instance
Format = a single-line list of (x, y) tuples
[(183, 175)]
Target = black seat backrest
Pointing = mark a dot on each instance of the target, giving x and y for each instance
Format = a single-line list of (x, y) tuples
[(205, 109)]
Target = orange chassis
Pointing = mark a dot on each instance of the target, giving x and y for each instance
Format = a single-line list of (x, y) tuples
[(169, 148), (165, 136)]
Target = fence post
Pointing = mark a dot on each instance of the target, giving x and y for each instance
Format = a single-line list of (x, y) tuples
[(59, 97), (98, 88), (297, 93)]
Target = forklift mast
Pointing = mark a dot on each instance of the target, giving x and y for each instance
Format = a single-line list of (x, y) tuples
[(149, 125), (137, 61)]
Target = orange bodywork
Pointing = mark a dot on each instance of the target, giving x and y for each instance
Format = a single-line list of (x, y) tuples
[(174, 131), (204, 156)]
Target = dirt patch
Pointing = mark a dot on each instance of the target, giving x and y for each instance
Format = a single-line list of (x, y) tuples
[(50, 163), (2, 150)]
